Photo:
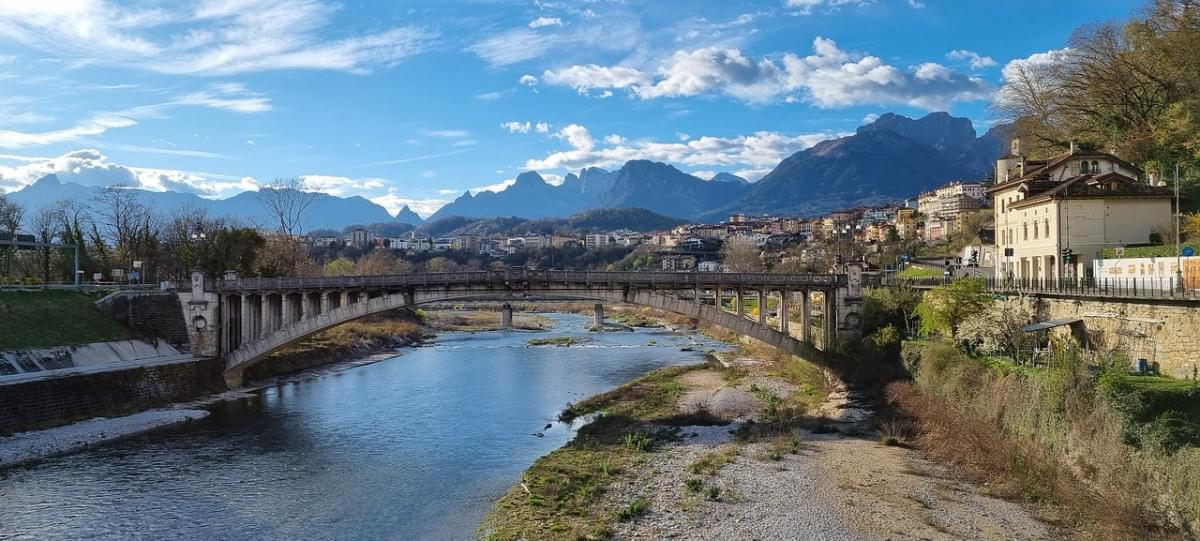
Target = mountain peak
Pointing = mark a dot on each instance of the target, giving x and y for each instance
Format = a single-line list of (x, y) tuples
[(939, 129), (729, 177), (529, 177)]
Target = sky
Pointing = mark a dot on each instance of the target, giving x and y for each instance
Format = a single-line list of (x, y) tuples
[(415, 102)]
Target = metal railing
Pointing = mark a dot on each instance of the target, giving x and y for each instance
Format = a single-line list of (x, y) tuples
[(1132, 288), (510, 276)]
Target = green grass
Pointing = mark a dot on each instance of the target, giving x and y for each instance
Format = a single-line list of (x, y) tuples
[(32, 319), (711, 463), (553, 341), (651, 397), (920, 272)]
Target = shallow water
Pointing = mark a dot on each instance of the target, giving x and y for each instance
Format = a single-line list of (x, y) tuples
[(413, 447)]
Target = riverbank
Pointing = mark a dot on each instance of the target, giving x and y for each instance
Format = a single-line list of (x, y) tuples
[(746, 446), (25, 447)]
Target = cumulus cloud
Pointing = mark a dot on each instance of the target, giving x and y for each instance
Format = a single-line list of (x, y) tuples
[(1033, 61), (528, 80), (214, 37), (755, 154), (542, 127), (974, 59), (341, 186), (91, 168), (830, 77), (542, 22)]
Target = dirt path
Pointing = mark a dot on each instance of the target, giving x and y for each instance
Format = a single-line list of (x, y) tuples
[(832, 487)]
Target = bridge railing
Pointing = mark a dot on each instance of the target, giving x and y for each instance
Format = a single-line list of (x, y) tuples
[(1136, 288), (507, 276)]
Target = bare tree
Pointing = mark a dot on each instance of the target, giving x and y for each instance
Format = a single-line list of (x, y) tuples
[(47, 224), (740, 254), (128, 223), (287, 201), (11, 215)]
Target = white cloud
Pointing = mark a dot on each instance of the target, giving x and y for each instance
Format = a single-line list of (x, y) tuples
[(869, 118), (577, 136), (223, 96), (542, 127), (528, 80), (542, 22), (393, 202), (1035, 60), (974, 59), (806, 7), (213, 37), (916, 4), (497, 187), (448, 134), (341, 186), (91, 168), (591, 76), (517, 127), (830, 77), (614, 32), (756, 153)]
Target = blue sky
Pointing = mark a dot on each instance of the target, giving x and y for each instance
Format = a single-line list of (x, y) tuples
[(414, 102)]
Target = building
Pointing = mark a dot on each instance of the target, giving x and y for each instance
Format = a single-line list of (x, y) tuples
[(359, 236), (597, 240), (1054, 216), (678, 262)]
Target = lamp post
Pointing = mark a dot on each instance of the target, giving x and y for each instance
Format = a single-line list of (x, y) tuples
[(1178, 253), (198, 237)]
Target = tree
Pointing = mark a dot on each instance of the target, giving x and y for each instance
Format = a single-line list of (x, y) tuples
[(287, 202), (10, 220), (999, 328), (382, 262), (740, 254), (46, 225), (945, 307), (123, 219), (903, 300), (340, 267)]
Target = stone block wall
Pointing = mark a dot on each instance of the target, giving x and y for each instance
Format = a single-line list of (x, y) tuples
[(158, 314), (56, 401), (1162, 331)]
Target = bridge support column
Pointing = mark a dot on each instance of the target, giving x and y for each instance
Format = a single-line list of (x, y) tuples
[(285, 309), (246, 336), (506, 316), (344, 298), (783, 311), (762, 307), (805, 310), (598, 316), (326, 302), (739, 304), (830, 322)]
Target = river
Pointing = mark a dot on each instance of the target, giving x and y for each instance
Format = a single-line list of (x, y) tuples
[(413, 447)]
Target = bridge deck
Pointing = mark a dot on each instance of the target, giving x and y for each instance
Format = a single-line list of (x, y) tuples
[(508, 277)]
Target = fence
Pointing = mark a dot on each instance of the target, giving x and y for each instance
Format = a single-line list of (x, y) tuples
[(1139, 288)]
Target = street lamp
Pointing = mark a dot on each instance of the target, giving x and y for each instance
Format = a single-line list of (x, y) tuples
[(198, 236), (1178, 254)]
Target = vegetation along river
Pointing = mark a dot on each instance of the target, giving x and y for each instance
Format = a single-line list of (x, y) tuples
[(413, 447)]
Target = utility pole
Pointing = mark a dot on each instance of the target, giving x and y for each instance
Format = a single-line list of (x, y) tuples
[(1178, 253)]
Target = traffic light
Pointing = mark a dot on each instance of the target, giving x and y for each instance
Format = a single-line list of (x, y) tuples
[(837, 259), (1068, 255)]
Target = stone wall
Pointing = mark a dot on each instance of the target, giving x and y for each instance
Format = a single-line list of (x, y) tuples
[(1162, 331), (158, 314), (56, 401)]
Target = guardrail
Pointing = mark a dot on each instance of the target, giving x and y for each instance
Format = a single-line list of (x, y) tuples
[(1133, 288), (674, 279)]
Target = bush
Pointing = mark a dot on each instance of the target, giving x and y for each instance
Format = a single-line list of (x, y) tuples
[(635, 509)]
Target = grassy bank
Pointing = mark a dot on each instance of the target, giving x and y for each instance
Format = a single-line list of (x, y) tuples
[(562, 496), (1113, 455), (33, 319), (356, 338)]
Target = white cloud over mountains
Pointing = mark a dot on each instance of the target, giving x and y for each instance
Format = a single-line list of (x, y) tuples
[(751, 155), (830, 77), (91, 168), (205, 37)]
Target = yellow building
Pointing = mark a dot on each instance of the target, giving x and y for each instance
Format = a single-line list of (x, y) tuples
[(1078, 201)]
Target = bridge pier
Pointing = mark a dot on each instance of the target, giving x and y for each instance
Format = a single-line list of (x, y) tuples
[(506, 316), (762, 307), (783, 311), (805, 312), (738, 302), (598, 316)]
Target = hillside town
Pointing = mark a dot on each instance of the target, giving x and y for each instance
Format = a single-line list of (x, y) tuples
[(1054, 220)]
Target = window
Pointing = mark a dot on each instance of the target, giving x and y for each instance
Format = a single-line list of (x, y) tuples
[(1035, 231), (1083, 167), (1047, 227), (1025, 234), (1095, 167)]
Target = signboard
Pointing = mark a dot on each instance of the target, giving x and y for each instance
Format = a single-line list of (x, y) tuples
[(1188, 251), (1158, 273), (137, 264)]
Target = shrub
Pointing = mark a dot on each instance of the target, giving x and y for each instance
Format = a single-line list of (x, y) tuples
[(635, 509), (713, 493), (694, 484), (639, 441)]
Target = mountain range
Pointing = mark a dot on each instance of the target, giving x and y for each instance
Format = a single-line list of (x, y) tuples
[(888, 159)]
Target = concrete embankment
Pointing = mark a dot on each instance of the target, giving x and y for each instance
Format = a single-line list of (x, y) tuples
[(25, 447)]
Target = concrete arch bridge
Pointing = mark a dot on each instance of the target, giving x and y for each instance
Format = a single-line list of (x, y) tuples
[(243, 320)]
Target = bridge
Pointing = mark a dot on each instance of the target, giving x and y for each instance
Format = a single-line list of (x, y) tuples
[(244, 320)]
